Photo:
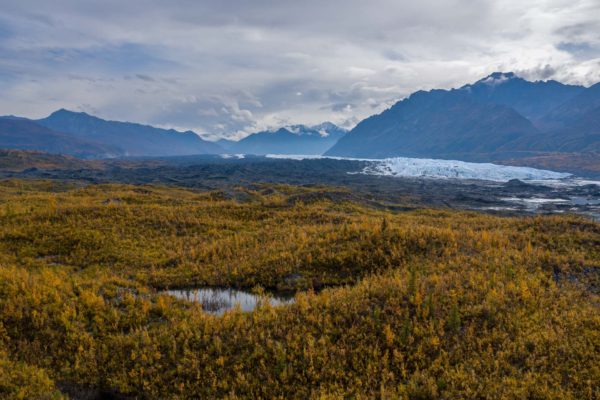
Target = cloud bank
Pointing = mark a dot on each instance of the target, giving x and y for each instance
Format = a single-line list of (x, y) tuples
[(229, 68)]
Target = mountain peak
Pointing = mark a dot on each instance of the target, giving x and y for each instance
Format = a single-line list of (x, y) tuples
[(506, 75), (326, 128), (323, 129), (291, 139), (531, 99), (131, 138), (65, 112), (492, 115), (325, 125), (13, 117), (496, 78)]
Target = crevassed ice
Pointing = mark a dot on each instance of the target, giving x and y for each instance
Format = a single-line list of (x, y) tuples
[(420, 167), (443, 169), (238, 156)]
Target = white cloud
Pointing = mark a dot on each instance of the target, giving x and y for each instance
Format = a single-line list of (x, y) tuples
[(232, 67)]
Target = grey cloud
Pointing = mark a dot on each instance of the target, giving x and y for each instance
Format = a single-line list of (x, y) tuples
[(232, 67), (588, 31), (580, 51), (146, 78), (393, 55), (339, 107), (541, 72)]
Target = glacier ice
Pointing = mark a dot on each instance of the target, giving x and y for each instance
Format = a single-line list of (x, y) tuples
[(443, 169), (446, 169)]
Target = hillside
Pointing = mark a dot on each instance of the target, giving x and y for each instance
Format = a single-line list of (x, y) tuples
[(582, 164), (574, 125), (438, 123), (226, 144), (533, 100), (131, 138), (18, 133), (20, 160), (422, 305), (498, 117)]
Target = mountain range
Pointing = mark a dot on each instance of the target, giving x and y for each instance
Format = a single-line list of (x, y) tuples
[(294, 139), (84, 135), (499, 116), (132, 139), (87, 136), (24, 134)]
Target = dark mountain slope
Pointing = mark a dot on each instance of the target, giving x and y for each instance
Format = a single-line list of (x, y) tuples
[(574, 110), (20, 133), (438, 123), (531, 99), (573, 126), (133, 139), (226, 144)]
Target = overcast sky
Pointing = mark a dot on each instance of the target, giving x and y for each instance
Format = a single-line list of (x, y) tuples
[(231, 67)]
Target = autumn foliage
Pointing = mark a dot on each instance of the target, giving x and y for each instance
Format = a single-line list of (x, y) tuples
[(419, 305)]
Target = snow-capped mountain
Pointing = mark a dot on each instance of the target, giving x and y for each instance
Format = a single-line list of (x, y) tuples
[(449, 124), (496, 78), (533, 100), (293, 139), (500, 116)]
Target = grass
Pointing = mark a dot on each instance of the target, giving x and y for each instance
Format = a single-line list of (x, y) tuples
[(420, 304)]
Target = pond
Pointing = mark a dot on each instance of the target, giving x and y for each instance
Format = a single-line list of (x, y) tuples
[(218, 300)]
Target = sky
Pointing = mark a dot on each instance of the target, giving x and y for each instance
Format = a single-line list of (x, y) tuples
[(225, 69)]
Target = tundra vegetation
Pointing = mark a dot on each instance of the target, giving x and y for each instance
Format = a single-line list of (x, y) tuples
[(418, 304)]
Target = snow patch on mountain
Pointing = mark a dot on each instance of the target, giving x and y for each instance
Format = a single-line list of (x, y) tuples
[(323, 129), (295, 129), (497, 78), (494, 79), (228, 156)]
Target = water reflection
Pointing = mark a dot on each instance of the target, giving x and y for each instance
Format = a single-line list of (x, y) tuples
[(218, 300)]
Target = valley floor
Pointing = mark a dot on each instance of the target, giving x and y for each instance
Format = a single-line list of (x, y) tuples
[(378, 184), (390, 302)]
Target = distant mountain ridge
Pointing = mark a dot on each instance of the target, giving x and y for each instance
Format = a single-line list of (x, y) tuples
[(438, 123), (226, 144), (87, 136), (499, 117), (131, 138), (575, 124), (499, 114), (533, 100), (293, 139), (24, 134)]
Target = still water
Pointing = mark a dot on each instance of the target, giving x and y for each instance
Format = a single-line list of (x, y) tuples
[(218, 300)]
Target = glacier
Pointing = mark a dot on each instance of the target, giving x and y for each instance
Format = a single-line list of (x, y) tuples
[(448, 169), (443, 169)]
